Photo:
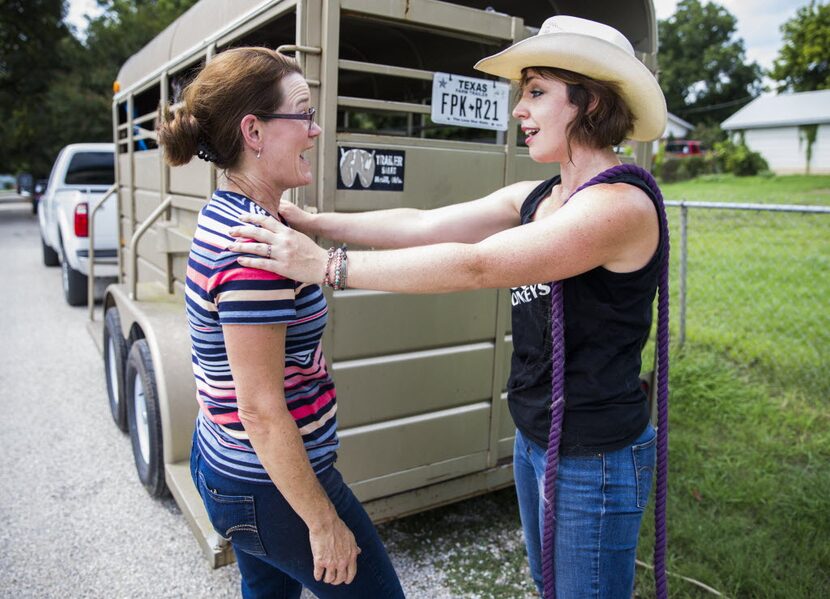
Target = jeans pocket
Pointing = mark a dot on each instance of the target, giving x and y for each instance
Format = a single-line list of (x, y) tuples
[(233, 517), (644, 458)]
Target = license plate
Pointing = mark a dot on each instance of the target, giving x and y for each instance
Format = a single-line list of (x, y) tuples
[(469, 102)]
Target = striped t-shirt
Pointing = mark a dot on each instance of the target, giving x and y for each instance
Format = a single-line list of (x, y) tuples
[(220, 291)]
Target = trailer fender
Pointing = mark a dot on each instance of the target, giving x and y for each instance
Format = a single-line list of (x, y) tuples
[(163, 325)]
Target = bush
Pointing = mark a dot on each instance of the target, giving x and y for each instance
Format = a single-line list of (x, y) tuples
[(658, 159), (670, 170), (695, 165), (738, 159)]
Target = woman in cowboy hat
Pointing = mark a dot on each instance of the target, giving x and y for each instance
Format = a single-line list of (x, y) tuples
[(583, 253)]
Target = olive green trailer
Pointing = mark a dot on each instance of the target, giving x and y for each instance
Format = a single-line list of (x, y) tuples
[(420, 379)]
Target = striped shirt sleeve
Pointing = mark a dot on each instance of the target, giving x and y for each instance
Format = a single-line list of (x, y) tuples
[(251, 296)]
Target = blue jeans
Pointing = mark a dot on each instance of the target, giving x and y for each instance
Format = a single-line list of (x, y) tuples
[(600, 500), (271, 541)]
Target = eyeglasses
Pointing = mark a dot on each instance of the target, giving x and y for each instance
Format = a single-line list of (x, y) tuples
[(299, 116)]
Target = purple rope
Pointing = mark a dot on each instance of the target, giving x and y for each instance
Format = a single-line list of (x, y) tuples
[(558, 401)]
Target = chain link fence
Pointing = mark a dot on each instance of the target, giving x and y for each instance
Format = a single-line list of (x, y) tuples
[(752, 282)]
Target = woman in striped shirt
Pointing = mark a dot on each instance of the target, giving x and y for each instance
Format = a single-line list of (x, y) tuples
[(265, 441)]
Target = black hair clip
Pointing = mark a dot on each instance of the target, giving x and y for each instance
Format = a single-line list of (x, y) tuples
[(206, 152)]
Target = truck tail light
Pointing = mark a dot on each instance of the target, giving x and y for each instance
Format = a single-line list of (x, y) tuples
[(82, 220)]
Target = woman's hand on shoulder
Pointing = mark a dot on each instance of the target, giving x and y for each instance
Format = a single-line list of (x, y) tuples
[(283, 251), (298, 218)]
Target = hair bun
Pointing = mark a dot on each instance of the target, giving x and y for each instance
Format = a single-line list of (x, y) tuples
[(179, 134)]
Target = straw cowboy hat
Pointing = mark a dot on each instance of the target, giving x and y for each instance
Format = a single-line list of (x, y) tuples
[(592, 49)]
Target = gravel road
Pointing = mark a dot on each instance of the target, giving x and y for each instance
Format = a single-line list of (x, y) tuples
[(76, 521)]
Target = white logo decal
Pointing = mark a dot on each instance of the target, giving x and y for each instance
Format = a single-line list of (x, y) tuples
[(358, 164)]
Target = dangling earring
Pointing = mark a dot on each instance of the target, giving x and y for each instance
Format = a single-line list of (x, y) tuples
[(258, 152)]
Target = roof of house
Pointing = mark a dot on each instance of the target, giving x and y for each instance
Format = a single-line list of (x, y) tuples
[(673, 118), (803, 108)]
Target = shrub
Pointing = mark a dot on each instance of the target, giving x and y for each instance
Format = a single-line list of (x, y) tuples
[(695, 165), (738, 159), (658, 159), (670, 170)]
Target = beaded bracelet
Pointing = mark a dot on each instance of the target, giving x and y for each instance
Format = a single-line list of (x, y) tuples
[(345, 267), (339, 259), (330, 259), (338, 263)]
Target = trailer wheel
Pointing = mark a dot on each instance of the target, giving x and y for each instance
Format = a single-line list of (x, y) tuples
[(144, 418), (50, 256), (74, 284), (115, 360)]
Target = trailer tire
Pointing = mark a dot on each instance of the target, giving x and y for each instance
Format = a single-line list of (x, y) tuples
[(74, 284), (115, 361), (50, 256), (144, 418)]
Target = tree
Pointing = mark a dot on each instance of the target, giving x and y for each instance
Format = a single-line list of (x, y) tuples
[(703, 69), (124, 28), (56, 89), (32, 34), (803, 62)]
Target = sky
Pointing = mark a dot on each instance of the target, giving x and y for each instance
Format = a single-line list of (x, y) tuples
[(758, 21)]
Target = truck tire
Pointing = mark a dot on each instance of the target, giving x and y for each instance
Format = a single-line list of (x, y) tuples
[(144, 418), (115, 360), (74, 284), (50, 256)]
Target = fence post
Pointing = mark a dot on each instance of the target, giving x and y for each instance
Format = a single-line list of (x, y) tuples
[(684, 216)]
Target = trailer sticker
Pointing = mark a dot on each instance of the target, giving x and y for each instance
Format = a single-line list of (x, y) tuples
[(372, 169), (469, 102)]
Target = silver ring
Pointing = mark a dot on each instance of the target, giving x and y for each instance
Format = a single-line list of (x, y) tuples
[(268, 255)]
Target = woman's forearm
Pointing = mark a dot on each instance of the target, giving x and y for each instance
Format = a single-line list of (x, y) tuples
[(279, 447), (386, 229), (438, 268), (466, 222)]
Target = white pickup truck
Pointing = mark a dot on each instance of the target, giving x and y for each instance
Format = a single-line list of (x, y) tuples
[(81, 175)]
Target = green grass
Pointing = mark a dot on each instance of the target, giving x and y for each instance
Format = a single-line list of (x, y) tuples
[(758, 283), (748, 507), (793, 189), (749, 483)]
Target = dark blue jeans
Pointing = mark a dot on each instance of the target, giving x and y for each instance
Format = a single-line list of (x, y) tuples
[(599, 506), (271, 541)]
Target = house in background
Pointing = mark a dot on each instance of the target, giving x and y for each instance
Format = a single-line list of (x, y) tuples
[(791, 131), (676, 128)]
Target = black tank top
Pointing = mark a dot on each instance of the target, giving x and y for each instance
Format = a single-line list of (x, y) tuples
[(607, 320)]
